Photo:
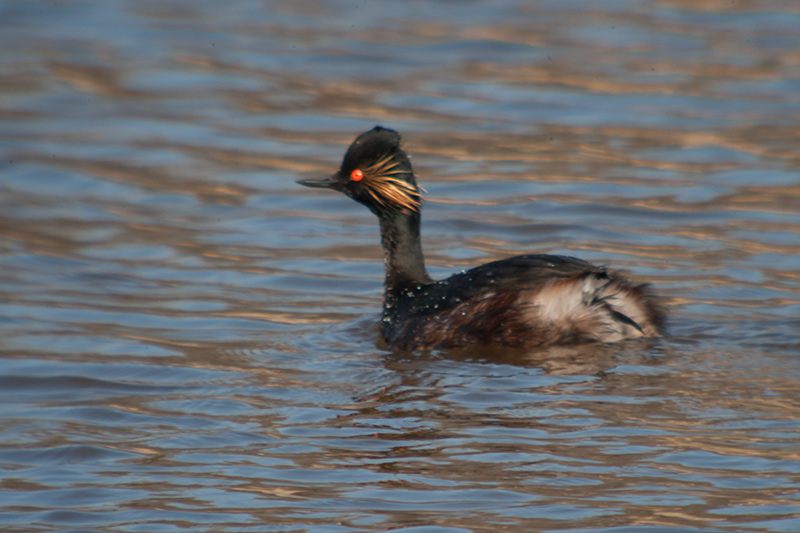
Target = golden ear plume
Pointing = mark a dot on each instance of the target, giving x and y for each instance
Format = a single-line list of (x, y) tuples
[(386, 189)]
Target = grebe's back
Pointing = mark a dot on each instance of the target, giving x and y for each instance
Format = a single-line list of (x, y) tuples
[(524, 301)]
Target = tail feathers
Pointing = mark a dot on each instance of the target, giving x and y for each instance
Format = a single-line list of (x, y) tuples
[(598, 306)]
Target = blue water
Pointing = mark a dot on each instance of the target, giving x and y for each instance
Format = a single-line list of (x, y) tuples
[(188, 339)]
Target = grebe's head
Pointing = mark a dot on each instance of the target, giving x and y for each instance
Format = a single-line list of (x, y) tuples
[(377, 173)]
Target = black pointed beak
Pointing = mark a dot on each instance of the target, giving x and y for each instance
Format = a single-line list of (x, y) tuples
[(320, 183)]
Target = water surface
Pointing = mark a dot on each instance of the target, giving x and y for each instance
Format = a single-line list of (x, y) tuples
[(189, 339)]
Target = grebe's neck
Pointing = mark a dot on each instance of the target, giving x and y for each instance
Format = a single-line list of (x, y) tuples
[(405, 264)]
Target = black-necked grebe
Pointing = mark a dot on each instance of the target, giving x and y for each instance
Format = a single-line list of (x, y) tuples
[(524, 301)]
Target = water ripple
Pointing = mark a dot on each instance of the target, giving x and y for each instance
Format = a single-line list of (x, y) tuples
[(190, 340)]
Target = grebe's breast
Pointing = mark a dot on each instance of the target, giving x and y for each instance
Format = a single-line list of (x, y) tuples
[(527, 300)]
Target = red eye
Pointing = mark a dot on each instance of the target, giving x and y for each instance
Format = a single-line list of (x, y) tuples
[(356, 175)]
